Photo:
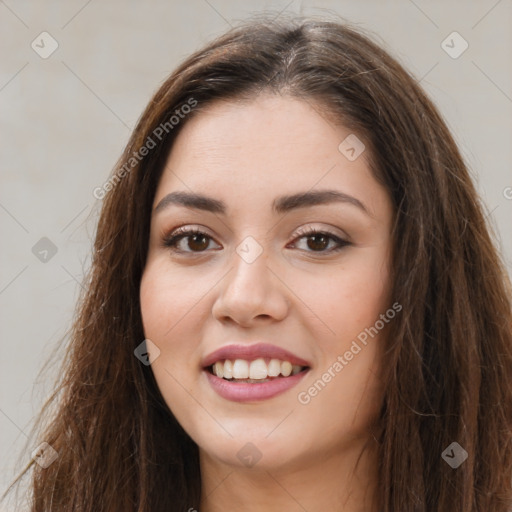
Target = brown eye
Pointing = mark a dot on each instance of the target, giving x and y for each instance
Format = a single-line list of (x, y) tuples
[(188, 241), (318, 242), (198, 242), (321, 242)]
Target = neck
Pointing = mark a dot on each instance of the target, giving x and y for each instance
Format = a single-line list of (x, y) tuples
[(345, 481)]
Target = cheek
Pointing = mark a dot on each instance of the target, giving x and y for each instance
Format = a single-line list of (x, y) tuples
[(347, 298), (166, 306), (345, 390), (342, 405), (167, 297), (349, 302), (168, 319)]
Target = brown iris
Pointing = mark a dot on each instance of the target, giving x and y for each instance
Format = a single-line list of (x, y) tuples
[(198, 242), (318, 242)]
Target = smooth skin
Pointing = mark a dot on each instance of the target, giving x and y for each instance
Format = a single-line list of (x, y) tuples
[(298, 294)]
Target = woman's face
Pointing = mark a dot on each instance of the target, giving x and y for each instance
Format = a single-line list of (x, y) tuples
[(257, 293)]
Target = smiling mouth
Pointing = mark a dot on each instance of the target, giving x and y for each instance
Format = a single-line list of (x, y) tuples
[(254, 372)]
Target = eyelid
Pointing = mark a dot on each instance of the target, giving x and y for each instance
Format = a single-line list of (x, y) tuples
[(311, 229)]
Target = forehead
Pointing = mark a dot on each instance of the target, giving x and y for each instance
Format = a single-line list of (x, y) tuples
[(259, 129), (266, 146)]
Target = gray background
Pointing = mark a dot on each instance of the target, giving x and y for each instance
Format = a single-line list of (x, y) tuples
[(66, 118)]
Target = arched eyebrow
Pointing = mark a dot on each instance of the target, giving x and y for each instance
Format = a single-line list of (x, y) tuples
[(280, 205)]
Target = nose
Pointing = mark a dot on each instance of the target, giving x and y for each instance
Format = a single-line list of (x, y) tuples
[(251, 293)]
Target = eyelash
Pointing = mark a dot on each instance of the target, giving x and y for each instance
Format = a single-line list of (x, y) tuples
[(171, 241)]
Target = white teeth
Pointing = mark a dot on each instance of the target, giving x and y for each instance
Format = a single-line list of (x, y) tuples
[(274, 368), (286, 368), (296, 369), (228, 369), (257, 370), (219, 369), (240, 369)]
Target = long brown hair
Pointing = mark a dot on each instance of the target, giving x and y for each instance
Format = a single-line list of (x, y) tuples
[(448, 358)]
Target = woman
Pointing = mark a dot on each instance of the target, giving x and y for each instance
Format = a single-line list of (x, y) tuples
[(294, 302)]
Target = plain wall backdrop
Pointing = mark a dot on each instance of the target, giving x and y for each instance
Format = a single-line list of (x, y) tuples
[(66, 116)]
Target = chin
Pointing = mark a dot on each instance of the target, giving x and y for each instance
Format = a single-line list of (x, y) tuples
[(256, 454)]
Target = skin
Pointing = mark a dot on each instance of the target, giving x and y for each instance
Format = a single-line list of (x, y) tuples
[(295, 295)]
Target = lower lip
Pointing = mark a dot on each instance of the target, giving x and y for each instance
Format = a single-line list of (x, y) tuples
[(245, 392)]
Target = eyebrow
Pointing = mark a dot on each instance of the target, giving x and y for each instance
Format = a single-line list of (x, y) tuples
[(283, 204)]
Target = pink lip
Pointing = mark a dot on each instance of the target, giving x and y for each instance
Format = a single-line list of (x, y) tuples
[(245, 392), (252, 352)]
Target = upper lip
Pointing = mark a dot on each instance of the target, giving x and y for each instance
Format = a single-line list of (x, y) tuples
[(252, 352)]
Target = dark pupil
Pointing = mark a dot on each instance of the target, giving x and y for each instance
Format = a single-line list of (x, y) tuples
[(319, 242), (200, 240)]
